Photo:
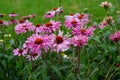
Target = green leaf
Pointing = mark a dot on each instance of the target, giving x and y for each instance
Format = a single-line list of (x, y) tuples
[(112, 9), (3, 62), (12, 42), (54, 68), (93, 72)]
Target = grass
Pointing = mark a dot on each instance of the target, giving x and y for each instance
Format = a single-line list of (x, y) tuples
[(25, 7)]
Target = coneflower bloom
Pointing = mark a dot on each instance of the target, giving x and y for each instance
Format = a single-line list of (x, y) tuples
[(13, 15), (53, 12), (60, 43), (21, 21), (20, 52), (33, 56), (72, 23), (1, 22), (106, 5), (4, 23), (84, 18), (58, 10), (13, 21), (36, 43), (79, 40), (70, 16), (50, 14), (23, 27), (115, 37), (32, 15), (103, 24), (2, 15), (51, 27), (83, 31), (25, 17), (36, 28), (109, 19)]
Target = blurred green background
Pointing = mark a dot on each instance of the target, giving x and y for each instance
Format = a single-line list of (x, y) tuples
[(40, 7)]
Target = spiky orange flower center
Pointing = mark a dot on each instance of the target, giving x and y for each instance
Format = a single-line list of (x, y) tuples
[(1, 21), (54, 9), (38, 41), (48, 24), (20, 51), (73, 22), (82, 30), (59, 39), (81, 16), (71, 14), (38, 25), (21, 21)]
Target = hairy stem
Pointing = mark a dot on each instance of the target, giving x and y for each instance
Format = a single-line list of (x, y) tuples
[(77, 69), (3, 38)]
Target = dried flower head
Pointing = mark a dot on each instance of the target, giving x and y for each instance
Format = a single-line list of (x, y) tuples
[(106, 4), (2, 15), (109, 19)]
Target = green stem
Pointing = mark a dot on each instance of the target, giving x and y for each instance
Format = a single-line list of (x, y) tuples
[(117, 4), (60, 3), (77, 70), (3, 38)]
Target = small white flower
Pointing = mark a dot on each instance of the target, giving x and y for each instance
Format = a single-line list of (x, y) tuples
[(64, 56), (1, 40), (7, 35)]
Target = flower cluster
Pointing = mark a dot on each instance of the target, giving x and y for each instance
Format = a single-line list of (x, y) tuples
[(36, 44), (23, 27), (76, 20), (49, 36), (107, 20), (14, 21), (45, 37), (51, 27)]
